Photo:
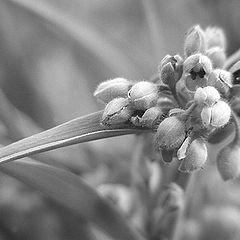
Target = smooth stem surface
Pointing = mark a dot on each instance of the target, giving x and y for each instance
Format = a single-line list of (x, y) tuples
[(182, 179), (173, 230)]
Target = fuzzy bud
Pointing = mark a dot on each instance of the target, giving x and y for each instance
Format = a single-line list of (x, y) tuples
[(217, 116), (200, 96), (117, 111), (173, 197), (221, 80), (217, 56), (167, 74), (221, 113), (228, 161), (117, 194), (215, 37), (143, 95), (170, 134), (108, 90), (196, 156), (151, 116), (197, 65), (207, 95), (170, 69), (195, 41)]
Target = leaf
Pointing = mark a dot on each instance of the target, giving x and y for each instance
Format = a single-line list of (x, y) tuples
[(78, 130), (68, 190), (78, 32)]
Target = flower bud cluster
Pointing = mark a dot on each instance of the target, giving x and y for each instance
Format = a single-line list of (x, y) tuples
[(191, 99), (142, 103)]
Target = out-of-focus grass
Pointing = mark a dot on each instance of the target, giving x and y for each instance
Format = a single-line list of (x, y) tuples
[(50, 64)]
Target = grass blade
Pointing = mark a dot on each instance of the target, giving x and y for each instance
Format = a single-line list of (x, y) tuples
[(80, 33), (79, 130), (72, 193)]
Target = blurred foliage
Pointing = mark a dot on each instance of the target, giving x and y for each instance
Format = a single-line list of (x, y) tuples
[(49, 68)]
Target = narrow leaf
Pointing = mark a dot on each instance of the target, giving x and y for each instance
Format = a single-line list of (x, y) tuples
[(79, 130), (71, 192)]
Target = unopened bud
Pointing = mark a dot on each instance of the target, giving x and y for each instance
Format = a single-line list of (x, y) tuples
[(215, 37), (117, 194), (167, 74), (221, 113), (196, 156), (117, 111), (200, 96), (151, 117), (143, 95), (217, 56), (108, 90), (228, 161), (221, 80), (210, 98), (195, 41), (197, 64), (170, 133), (173, 197)]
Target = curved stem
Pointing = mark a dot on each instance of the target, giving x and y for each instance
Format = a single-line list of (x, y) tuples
[(236, 139)]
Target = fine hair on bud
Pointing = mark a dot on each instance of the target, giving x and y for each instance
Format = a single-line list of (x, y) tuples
[(117, 111), (215, 37), (217, 55), (195, 41), (196, 156), (170, 134), (108, 90), (143, 95), (221, 80)]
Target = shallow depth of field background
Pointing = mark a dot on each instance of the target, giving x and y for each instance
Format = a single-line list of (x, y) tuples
[(52, 59)]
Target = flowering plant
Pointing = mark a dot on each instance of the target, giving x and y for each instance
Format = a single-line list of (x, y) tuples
[(194, 100)]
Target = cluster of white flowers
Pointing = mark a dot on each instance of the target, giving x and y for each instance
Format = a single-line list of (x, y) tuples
[(189, 101)]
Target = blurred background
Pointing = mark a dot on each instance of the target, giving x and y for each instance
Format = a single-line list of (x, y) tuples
[(53, 54)]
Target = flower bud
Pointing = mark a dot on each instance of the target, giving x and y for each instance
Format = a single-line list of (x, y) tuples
[(167, 74), (213, 95), (217, 56), (151, 117), (221, 80), (197, 65), (196, 156), (170, 69), (215, 37), (117, 111), (200, 96), (143, 95), (170, 134), (195, 41), (173, 197), (228, 161), (117, 194), (108, 90), (221, 113)]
